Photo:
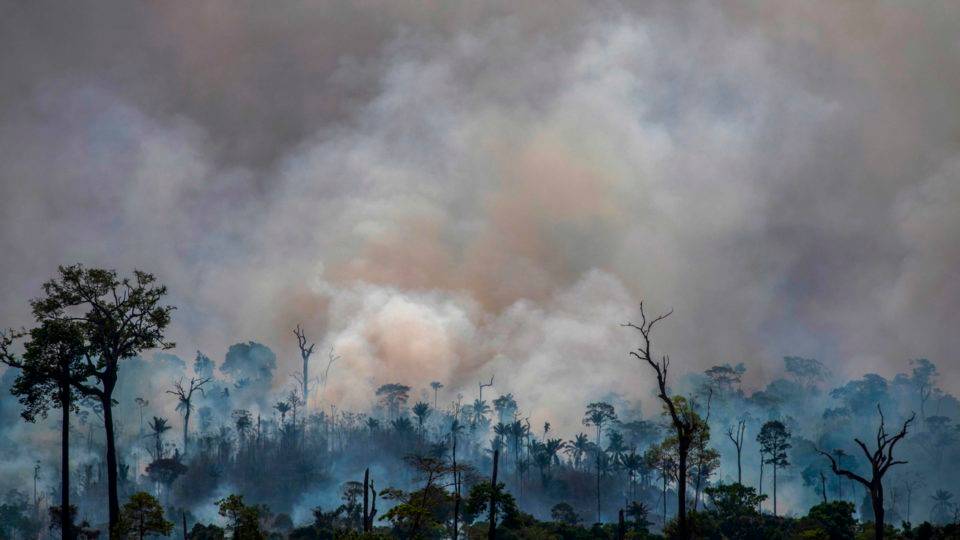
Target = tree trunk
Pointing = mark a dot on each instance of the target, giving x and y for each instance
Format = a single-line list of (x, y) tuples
[(186, 427), (739, 468), (774, 489), (683, 448), (760, 491), (621, 526), (664, 497), (366, 500), (598, 474), (876, 498), (456, 486), (306, 375), (492, 532), (66, 523), (113, 496)]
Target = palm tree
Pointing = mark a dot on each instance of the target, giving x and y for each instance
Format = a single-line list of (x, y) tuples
[(402, 425), (616, 447), (421, 410), (632, 463), (243, 422), (480, 411), (577, 447), (436, 385), (158, 426), (283, 408), (942, 506), (505, 406), (598, 414)]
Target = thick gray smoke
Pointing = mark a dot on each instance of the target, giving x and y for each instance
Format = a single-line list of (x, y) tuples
[(458, 191)]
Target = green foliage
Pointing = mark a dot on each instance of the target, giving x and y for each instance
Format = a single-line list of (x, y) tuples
[(53, 362), (732, 501), (242, 520), (478, 502), (831, 521), (141, 516), (206, 532), (419, 514), (565, 514), (774, 439)]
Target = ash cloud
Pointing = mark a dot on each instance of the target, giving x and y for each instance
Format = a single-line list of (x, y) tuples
[(454, 192)]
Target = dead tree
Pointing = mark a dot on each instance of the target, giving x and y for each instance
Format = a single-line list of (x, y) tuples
[(736, 436), (305, 352), (482, 386), (682, 418), (880, 460), (185, 405)]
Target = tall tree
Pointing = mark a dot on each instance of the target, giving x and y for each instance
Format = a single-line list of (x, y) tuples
[(774, 439), (158, 426), (53, 363), (305, 352), (436, 385), (807, 372), (143, 516), (119, 318), (682, 419), (422, 411), (736, 436), (185, 401), (392, 397), (598, 415), (880, 459)]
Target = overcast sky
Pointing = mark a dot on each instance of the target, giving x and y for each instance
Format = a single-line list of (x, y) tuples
[(444, 190)]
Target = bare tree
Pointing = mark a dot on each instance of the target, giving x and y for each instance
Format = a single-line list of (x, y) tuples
[(185, 404), (483, 385), (305, 352), (736, 436), (331, 358), (880, 460), (683, 419)]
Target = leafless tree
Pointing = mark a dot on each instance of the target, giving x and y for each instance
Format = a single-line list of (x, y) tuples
[(185, 398), (483, 385), (736, 436), (682, 418), (305, 352), (881, 459)]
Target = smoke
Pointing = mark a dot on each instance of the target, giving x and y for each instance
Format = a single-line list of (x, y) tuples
[(449, 193)]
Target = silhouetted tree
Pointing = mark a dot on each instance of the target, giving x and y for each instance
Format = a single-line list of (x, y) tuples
[(142, 516), (53, 363), (436, 385), (185, 401), (736, 436), (807, 372), (774, 439), (683, 421), (421, 410), (119, 318), (305, 352), (393, 396), (597, 415), (881, 459), (158, 426)]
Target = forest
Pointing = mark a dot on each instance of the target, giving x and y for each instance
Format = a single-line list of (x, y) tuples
[(223, 445)]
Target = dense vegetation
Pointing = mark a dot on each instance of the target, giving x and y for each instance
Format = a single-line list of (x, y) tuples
[(804, 457)]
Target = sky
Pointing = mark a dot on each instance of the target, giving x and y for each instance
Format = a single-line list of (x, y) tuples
[(453, 190)]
